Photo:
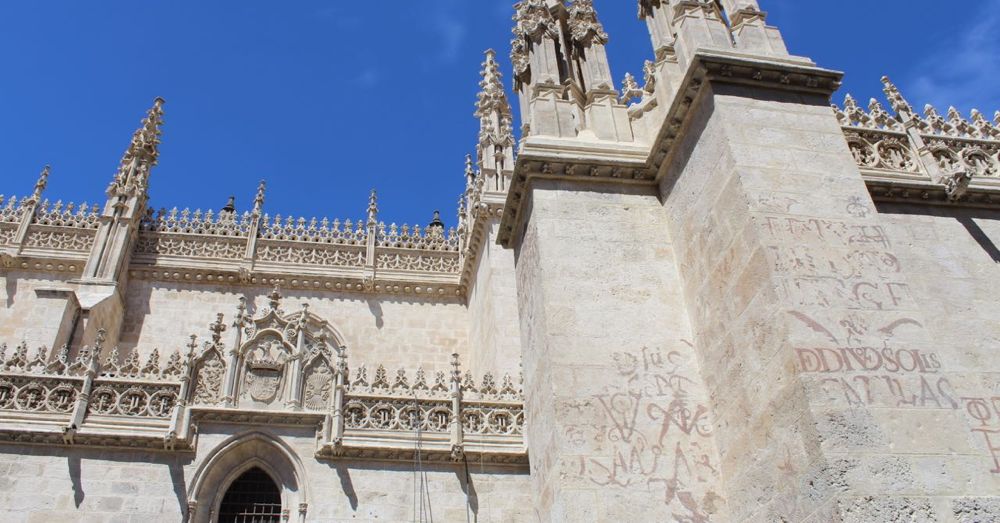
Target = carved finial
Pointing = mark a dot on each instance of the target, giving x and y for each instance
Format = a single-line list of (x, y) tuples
[(100, 339), (456, 368), (142, 154), (241, 313), (896, 100), (470, 172), (192, 346), (649, 76), (258, 201), (372, 209), (996, 118), (43, 181), (274, 299), (493, 110), (583, 23), (217, 327), (630, 89), (342, 361), (304, 314), (850, 102)]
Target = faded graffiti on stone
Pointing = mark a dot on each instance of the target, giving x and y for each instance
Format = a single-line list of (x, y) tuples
[(655, 433)]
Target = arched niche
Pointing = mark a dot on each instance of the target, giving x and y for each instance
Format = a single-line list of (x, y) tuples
[(234, 457), (209, 373), (276, 369), (263, 378)]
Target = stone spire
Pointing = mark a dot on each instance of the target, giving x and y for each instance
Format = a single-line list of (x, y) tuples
[(896, 100), (542, 69), (258, 201), (589, 40), (372, 209), (132, 177), (495, 150), (43, 181), (660, 25)]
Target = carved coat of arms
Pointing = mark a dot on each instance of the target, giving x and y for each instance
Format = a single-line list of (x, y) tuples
[(265, 365)]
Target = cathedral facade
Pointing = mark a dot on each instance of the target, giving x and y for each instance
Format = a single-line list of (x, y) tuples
[(709, 296)]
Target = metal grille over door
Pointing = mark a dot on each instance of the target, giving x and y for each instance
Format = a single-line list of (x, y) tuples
[(252, 498)]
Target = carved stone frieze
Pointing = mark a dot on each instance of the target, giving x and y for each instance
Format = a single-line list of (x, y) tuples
[(44, 237), (190, 246)]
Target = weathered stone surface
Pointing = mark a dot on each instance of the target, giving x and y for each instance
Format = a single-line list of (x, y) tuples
[(729, 303)]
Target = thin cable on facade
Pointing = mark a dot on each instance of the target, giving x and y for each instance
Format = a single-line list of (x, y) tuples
[(422, 511)]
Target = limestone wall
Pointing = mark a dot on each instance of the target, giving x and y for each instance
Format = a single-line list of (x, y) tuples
[(394, 331), (494, 328), (28, 313), (619, 427), (44, 484), (814, 317)]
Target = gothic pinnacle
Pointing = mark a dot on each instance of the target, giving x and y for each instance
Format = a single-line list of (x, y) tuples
[(470, 172), (43, 181), (142, 153), (492, 97), (373, 208), (896, 100), (258, 201), (583, 22)]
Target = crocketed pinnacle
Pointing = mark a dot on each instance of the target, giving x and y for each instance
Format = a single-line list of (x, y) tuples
[(258, 201), (492, 97), (43, 181), (141, 155), (583, 23), (492, 106), (373, 208), (896, 100)]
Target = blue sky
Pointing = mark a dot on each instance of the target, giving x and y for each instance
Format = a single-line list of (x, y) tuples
[(328, 99)]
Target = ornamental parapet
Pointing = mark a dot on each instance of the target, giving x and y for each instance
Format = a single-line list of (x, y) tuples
[(929, 158), (61, 233), (330, 254), (275, 368)]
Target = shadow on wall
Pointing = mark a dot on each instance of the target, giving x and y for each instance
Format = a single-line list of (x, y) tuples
[(468, 488), (966, 217), (376, 308), (74, 476), (346, 484), (74, 465), (980, 236)]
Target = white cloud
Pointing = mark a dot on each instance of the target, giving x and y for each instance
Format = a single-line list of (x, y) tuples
[(452, 33), (963, 72)]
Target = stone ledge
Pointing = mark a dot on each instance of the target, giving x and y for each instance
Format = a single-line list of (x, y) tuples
[(598, 161)]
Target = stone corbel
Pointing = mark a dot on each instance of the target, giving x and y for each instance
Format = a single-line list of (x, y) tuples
[(8, 259), (956, 184)]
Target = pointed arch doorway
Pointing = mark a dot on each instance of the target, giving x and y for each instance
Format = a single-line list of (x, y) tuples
[(253, 497), (248, 478)]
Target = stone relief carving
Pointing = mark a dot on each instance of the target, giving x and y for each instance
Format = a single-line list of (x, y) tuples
[(264, 369), (210, 371)]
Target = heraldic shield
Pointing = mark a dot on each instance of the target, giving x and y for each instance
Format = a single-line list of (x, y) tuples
[(264, 370)]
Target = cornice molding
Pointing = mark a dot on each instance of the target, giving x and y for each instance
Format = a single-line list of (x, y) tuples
[(612, 162)]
